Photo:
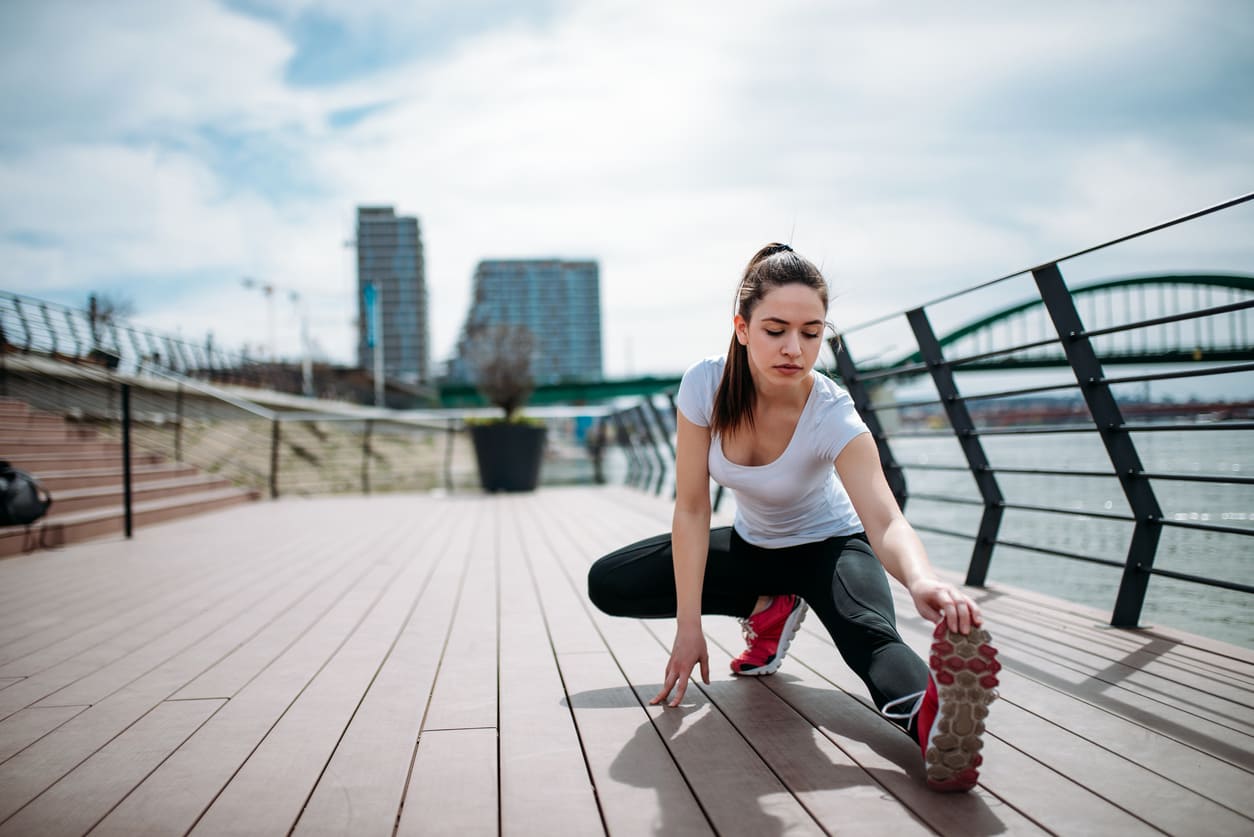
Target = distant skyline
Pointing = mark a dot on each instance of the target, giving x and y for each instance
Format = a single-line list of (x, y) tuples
[(164, 151)]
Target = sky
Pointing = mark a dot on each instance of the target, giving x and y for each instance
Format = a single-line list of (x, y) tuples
[(162, 151)]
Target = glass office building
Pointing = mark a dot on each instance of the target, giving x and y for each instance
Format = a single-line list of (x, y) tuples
[(560, 301), (389, 259)]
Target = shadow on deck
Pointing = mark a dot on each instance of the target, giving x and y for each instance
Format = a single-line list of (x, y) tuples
[(430, 665)]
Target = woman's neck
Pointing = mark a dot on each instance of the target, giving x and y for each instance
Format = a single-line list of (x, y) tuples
[(784, 396)]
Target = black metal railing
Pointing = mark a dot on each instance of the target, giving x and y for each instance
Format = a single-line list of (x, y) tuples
[(275, 449), (974, 424), (38, 328)]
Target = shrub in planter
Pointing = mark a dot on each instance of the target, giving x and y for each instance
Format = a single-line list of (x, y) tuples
[(509, 451)]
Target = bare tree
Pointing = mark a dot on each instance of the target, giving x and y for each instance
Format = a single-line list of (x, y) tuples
[(501, 357)]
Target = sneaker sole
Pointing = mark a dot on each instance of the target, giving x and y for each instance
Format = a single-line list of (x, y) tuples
[(965, 669), (791, 626)]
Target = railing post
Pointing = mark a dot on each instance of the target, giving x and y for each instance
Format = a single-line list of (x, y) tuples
[(862, 401), (653, 445), (596, 444), (448, 455), (1119, 447), (632, 417), (52, 331), (127, 510), (274, 458), (964, 429), (657, 419), (21, 318), (633, 464), (365, 456), (670, 399), (178, 423)]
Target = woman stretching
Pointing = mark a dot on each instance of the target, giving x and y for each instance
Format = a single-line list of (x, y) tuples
[(763, 423)]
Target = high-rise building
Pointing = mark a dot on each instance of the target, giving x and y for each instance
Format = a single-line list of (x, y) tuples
[(391, 273), (560, 301)]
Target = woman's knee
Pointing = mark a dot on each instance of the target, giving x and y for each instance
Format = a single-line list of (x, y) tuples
[(603, 589), (861, 593), (618, 582)]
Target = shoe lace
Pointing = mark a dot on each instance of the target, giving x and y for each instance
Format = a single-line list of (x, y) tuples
[(917, 697), (746, 628)]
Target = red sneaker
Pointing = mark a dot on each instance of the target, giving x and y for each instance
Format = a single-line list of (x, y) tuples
[(768, 635), (952, 711)]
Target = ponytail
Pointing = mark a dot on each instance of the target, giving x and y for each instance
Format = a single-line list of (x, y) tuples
[(736, 396)]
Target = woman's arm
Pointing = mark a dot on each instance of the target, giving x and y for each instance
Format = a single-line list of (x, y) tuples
[(894, 540), (690, 543)]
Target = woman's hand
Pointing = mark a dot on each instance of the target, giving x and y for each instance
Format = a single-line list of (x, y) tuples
[(936, 600), (687, 650)]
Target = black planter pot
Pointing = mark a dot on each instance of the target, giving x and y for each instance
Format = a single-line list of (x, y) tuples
[(509, 455)]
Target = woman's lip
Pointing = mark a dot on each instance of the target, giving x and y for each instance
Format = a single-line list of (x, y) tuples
[(787, 367)]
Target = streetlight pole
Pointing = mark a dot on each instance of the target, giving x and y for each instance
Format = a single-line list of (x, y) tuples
[(306, 349), (267, 289)]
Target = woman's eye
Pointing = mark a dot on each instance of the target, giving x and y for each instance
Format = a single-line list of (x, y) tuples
[(774, 333), (811, 336)]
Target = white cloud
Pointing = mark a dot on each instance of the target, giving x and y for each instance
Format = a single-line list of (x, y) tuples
[(910, 150)]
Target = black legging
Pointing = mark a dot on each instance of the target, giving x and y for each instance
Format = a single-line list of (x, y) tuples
[(839, 578)]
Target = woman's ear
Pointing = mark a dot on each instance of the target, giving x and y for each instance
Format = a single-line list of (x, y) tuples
[(742, 330)]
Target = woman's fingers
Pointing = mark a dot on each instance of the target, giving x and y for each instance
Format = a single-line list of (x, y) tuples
[(677, 681), (666, 688), (679, 695)]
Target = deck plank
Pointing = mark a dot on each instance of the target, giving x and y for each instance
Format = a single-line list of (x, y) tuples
[(106, 572), (1026, 785), (465, 693), (23, 728), (543, 775), (900, 769), (454, 785), (87, 793), (107, 664), (360, 791), (291, 690), (1207, 698), (187, 783), (102, 597), (639, 787), (739, 792), (31, 771), (269, 790)]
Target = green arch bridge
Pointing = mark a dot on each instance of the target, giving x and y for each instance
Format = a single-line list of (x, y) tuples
[(1134, 297)]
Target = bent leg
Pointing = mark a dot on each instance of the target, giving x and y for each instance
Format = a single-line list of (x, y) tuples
[(639, 580)]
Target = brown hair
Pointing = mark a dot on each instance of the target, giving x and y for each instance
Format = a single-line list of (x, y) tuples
[(771, 267)]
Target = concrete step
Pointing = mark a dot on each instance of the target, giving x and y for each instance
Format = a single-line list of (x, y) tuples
[(56, 481), (59, 528), (35, 421), (40, 463), (10, 437), (79, 499), (76, 447)]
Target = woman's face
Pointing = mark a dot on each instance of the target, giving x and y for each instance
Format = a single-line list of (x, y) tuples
[(784, 334)]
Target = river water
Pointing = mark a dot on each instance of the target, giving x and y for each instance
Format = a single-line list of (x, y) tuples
[(1209, 611), (1206, 610)]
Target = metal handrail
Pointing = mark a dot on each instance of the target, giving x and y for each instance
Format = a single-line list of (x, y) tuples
[(1099, 414), (1210, 210)]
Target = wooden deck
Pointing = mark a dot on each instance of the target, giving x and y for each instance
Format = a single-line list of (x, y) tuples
[(431, 665)]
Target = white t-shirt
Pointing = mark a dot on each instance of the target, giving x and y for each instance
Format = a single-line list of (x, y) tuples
[(798, 498)]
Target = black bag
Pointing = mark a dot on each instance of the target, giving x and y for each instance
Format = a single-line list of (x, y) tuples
[(22, 499)]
